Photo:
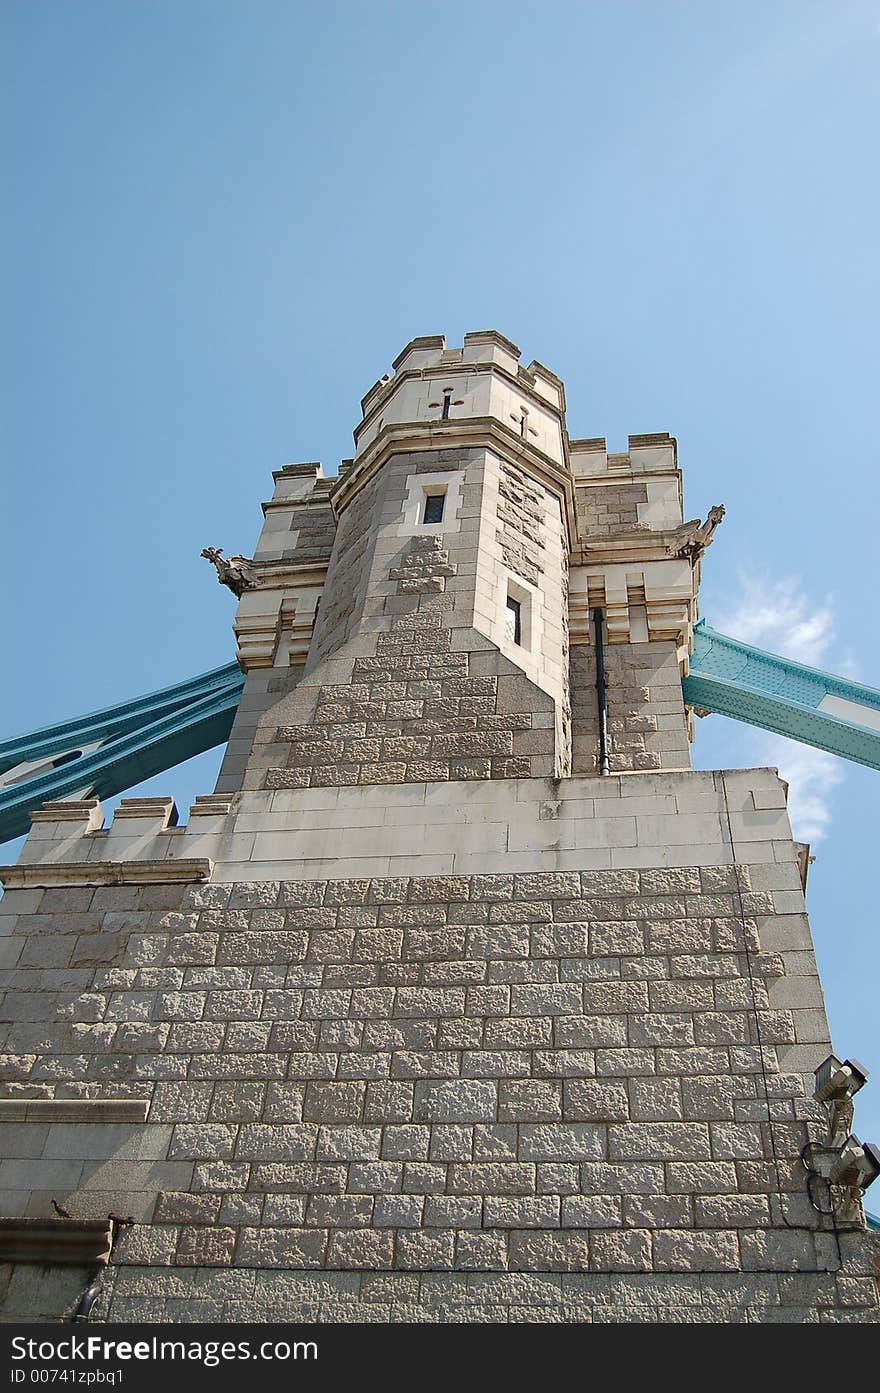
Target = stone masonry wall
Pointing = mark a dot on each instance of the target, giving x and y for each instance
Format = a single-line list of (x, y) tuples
[(419, 693), (549, 1072), (416, 710), (609, 509), (347, 575), (524, 551), (646, 717), (530, 1094), (521, 523), (230, 1294)]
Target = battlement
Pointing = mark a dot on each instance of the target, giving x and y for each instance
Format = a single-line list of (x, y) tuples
[(483, 346), (483, 379), (296, 483), (142, 844), (74, 830), (655, 453)]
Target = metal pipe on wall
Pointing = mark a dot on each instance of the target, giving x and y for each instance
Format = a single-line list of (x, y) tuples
[(601, 693)]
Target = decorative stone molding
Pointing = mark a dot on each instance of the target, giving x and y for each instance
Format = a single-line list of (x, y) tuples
[(51, 875), (488, 432), (112, 1110), (273, 626), (70, 1242), (308, 469), (656, 602)]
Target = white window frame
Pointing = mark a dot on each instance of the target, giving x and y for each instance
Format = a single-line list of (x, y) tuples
[(418, 488), (528, 599), (433, 491)]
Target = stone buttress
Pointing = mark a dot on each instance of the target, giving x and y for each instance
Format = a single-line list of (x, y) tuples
[(421, 1017)]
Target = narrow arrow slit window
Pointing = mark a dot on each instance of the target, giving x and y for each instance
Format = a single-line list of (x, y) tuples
[(513, 620), (434, 506)]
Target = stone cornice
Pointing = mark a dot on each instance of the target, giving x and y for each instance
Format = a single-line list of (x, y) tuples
[(311, 501), (493, 336), (423, 341), (643, 546), (163, 810), (51, 874), (310, 469), (648, 439), (212, 805), (588, 445), (467, 432), (112, 1110), (275, 574), (633, 476), (71, 1242), (87, 810)]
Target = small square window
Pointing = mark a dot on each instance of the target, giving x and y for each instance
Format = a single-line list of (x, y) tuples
[(434, 507), (513, 621)]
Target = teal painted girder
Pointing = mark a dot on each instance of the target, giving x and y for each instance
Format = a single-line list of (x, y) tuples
[(133, 740), (762, 689)]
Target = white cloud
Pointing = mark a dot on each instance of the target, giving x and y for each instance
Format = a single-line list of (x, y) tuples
[(781, 617)]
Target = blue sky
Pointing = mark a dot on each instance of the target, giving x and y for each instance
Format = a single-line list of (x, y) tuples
[(224, 219)]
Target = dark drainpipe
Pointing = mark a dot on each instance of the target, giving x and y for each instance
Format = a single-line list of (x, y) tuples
[(601, 694)]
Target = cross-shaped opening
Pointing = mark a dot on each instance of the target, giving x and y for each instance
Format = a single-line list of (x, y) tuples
[(522, 420), (447, 403)]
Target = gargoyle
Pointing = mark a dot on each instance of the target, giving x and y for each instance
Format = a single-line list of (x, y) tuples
[(236, 572), (692, 538)]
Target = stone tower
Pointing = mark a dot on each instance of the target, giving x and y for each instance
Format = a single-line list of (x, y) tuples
[(463, 996)]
